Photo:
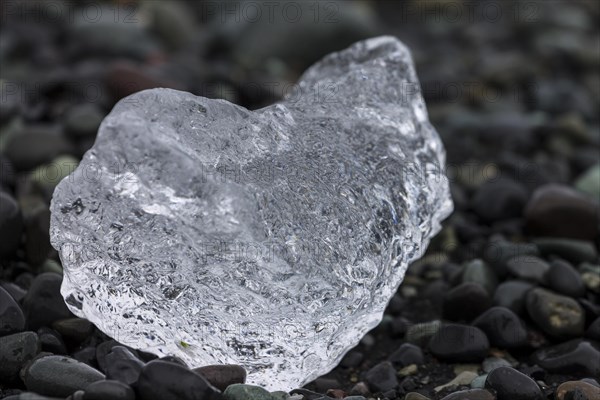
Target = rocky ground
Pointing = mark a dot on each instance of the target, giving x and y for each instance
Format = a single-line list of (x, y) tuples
[(504, 305)]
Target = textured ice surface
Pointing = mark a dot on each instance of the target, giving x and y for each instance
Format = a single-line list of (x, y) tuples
[(272, 238)]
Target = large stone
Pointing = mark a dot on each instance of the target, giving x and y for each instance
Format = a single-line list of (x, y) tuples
[(270, 239)]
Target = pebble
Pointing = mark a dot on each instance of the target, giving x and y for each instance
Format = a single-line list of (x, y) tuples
[(34, 146), (59, 376), (579, 390), (573, 357), (382, 377), (162, 380), (511, 294), (11, 316), (528, 268), (559, 211), (471, 394), (221, 376), (83, 120), (463, 379), (556, 315), (415, 396), (459, 343), (122, 365), (107, 389), (499, 199), (17, 292), (240, 391), (593, 331), (407, 354), (498, 251), (479, 382), (51, 341), (465, 302), (352, 359), (589, 182), (77, 329), (43, 303), (420, 334), (478, 271), (573, 250), (565, 279), (491, 363), (503, 328), (15, 351), (36, 217), (510, 384), (11, 225)]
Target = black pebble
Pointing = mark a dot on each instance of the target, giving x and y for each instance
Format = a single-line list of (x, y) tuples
[(511, 294), (573, 357), (11, 225), (43, 303), (104, 390), (593, 331), (161, 380), (122, 365), (459, 343), (407, 354), (465, 302), (382, 377), (499, 200), (510, 384), (503, 328), (565, 279), (11, 316)]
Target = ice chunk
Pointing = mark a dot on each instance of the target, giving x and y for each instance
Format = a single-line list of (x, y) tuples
[(272, 239)]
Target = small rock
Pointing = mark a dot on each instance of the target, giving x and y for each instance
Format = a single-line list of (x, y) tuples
[(477, 271), (34, 146), (503, 328), (556, 315), (161, 380), (15, 351), (420, 334), (511, 384), (459, 343), (352, 359), (59, 376), (593, 331), (565, 279), (122, 365), (559, 211), (575, 251), (11, 225), (589, 182), (511, 294), (528, 268), (415, 396), (499, 199), (11, 315), (407, 354), (577, 390), (498, 251), (490, 364), (382, 377), (43, 303), (104, 390), (83, 120), (77, 329), (465, 302), (51, 341), (472, 394), (479, 382), (240, 391), (221, 376), (463, 379), (573, 357)]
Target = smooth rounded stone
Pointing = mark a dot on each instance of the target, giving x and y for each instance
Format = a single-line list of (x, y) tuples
[(159, 141), (352, 359), (382, 377), (104, 348), (479, 382), (161, 380), (528, 268), (43, 303), (51, 341), (589, 182), (77, 329), (59, 376), (415, 396), (478, 271), (511, 294), (565, 279), (108, 389), (465, 302), (221, 376), (459, 343), (573, 357), (471, 394), (499, 199), (83, 120), (35, 146), (122, 365), (407, 354), (556, 315), (36, 216), (498, 251), (86, 355), (242, 392), (30, 396), (16, 292), (7, 172), (573, 250), (510, 384), (15, 351), (420, 334), (11, 225), (503, 328), (579, 390), (559, 211), (593, 331), (11, 316), (491, 363)]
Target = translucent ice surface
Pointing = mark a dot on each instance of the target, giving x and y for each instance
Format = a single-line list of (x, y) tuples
[(272, 239)]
